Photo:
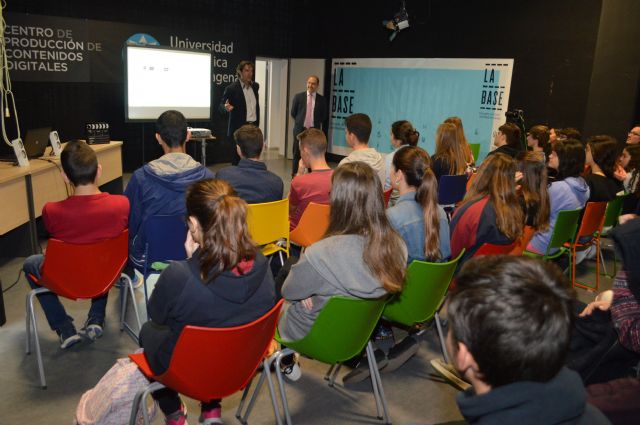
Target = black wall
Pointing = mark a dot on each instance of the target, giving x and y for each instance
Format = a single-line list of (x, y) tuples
[(557, 78)]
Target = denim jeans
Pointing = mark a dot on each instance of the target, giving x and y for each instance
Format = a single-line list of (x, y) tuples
[(53, 308)]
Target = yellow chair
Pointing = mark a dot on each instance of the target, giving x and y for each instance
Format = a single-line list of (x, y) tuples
[(269, 227), (312, 226)]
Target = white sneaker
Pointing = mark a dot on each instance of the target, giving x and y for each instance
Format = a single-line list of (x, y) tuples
[(292, 371)]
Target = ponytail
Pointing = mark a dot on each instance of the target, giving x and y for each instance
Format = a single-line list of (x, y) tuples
[(427, 197)]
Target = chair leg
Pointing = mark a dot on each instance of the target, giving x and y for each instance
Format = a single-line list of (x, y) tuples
[(140, 401), (443, 345), (327, 376), (244, 397), (272, 390), (243, 418), (332, 379), (598, 253), (573, 267), (376, 382), (128, 290), (604, 266), (123, 304), (32, 324), (283, 395)]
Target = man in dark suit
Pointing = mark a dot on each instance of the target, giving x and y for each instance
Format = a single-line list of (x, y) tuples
[(240, 100), (309, 110)]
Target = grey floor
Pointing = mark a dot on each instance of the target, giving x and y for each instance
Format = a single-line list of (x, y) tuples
[(413, 392)]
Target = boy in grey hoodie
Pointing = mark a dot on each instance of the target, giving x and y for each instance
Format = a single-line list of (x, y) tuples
[(358, 130)]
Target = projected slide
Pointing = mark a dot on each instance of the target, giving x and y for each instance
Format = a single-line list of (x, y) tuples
[(159, 79), (423, 91)]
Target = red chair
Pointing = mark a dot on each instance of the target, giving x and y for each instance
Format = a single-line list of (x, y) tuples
[(80, 272), (491, 249), (312, 226), (387, 197), (589, 231), (523, 241), (213, 363)]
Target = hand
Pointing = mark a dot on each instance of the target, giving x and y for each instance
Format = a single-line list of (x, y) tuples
[(626, 217), (307, 303), (190, 245), (302, 169), (228, 106), (619, 173), (518, 175), (603, 305)]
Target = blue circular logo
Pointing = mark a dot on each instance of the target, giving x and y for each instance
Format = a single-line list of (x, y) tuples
[(142, 39)]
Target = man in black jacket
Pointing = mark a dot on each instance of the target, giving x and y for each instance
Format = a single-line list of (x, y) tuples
[(240, 100), (309, 110)]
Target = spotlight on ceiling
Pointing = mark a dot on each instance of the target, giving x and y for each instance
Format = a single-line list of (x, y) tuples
[(399, 22)]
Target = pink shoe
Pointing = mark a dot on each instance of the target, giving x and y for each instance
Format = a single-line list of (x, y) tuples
[(177, 418), (210, 417)]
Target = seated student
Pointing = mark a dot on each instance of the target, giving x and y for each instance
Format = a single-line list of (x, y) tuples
[(357, 132), (221, 284), (418, 218), (462, 140), (449, 158), (250, 178), (602, 153), (361, 256), (538, 139), (313, 181), (490, 212), (402, 134), (159, 186), (629, 164), (568, 192), (532, 189), (509, 330), (86, 217), (507, 140)]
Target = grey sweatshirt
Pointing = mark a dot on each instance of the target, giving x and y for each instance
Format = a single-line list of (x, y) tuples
[(333, 266), (369, 156)]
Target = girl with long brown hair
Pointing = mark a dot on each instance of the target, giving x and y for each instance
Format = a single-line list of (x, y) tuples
[(450, 156), (462, 139), (226, 281), (418, 218), (490, 211), (533, 189), (360, 256)]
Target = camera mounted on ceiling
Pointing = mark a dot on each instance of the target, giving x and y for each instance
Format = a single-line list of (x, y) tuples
[(399, 22)]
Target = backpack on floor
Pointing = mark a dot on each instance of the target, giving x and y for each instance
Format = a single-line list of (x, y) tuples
[(110, 401)]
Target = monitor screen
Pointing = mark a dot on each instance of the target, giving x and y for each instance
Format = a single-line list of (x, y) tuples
[(161, 78)]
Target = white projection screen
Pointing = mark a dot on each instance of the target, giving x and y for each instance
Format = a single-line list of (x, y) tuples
[(161, 78)]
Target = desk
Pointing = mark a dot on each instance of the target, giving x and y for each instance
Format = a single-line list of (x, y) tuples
[(28, 188)]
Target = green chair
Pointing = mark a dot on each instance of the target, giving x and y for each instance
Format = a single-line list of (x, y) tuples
[(475, 149), (341, 331), (613, 211), (423, 294), (564, 231)]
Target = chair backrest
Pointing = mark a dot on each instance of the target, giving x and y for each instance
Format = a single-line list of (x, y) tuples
[(164, 237), (213, 363), (313, 224), (592, 219), (424, 290), (84, 271), (475, 149), (451, 189), (269, 221), (492, 249), (523, 241), (341, 330), (387, 196), (564, 229), (614, 208)]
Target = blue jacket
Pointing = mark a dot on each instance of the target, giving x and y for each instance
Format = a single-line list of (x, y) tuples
[(407, 218), (253, 182), (568, 194), (154, 189)]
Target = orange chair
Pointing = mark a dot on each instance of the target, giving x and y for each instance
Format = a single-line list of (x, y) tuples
[(523, 241), (213, 363), (312, 226), (590, 227), (491, 249), (81, 272), (387, 197)]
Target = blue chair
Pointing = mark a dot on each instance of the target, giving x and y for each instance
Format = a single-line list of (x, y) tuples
[(451, 190), (164, 241)]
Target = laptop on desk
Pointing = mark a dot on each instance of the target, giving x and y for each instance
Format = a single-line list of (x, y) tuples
[(35, 143)]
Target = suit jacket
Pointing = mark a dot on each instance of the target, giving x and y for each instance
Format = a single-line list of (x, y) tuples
[(299, 111), (238, 116)]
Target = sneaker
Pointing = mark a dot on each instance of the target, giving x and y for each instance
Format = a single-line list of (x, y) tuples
[(290, 367), (383, 332), (210, 417), (68, 337), (449, 373), (400, 353), (92, 329), (177, 418), (361, 372)]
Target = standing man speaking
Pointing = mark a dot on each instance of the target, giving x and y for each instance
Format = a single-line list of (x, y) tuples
[(240, 100), (309, 110)]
